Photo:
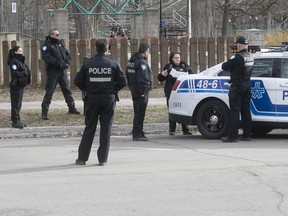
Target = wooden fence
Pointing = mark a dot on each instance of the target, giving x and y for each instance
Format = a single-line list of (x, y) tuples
[(199, 53)]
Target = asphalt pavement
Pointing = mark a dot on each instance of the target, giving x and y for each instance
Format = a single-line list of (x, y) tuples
[(166, 176)]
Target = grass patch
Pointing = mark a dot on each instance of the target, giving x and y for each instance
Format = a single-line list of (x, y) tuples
[(60, 117)]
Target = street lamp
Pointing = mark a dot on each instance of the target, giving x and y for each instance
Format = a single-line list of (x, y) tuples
[(256, 19)]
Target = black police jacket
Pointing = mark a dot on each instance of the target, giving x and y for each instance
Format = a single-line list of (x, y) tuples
[(100, 75), (240, 68), (139, 76), (170, 79), (20, 73), (55, 55)]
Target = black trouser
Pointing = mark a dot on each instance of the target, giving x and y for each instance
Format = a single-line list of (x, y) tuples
[(139, 106), (16, 95), (55, 76), (102, 108), (172, 124), (239, 101)]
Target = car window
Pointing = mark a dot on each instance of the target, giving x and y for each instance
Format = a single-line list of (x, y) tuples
[(284, 68), (262, 68)]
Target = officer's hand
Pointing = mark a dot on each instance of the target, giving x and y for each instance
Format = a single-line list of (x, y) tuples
[(66, 66), (164, 73)]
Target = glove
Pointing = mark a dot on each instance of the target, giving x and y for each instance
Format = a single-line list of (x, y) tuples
[(64, 66)]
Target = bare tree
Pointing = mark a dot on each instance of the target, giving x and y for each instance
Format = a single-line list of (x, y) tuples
[(202, 18), (254, 9)]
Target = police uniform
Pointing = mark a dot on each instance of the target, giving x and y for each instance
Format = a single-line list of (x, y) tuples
[(20, 77), (57, 59), (100, 77), (184, 68), (240, 67), (139, 77)]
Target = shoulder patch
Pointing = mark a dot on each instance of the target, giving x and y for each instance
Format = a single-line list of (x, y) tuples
[(143, 66), (44, 48), (232, 57), (14, 66)]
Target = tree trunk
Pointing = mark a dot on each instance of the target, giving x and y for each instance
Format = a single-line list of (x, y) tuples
[(86, 25), (202, 18), (225, 22)]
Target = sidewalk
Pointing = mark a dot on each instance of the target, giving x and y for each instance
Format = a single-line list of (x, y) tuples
[(69, 131)]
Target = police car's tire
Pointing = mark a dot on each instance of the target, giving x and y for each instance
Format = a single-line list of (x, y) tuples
[(212, 119), (260, 131)]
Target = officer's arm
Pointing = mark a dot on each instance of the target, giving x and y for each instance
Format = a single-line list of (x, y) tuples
[(48, 58), (80, 79), (120, 78), (226, 66), (68, 57), (141, 79), (160, 77), (188, 68), (127, 76), (16, 72)]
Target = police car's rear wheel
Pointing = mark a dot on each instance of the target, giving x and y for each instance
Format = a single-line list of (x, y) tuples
[(213, 119)]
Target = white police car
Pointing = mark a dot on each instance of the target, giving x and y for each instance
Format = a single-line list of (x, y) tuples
[(202, 99)]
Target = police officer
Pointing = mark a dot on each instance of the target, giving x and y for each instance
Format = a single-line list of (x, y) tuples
[(20, 77), (100, 77), (57, 59), (139, 77), (240, 68), (170, 76)]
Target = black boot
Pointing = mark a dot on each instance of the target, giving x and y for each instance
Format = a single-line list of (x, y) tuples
[(45, 116), (17, 125), (73, 110)]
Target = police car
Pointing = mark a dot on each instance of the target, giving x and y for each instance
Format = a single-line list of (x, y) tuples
[(202, 99)]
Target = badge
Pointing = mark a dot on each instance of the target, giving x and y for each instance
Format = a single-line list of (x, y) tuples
[(44, 48), (14, 67), (143, 66)]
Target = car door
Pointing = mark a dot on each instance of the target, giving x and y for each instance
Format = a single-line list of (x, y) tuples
[(263, 94), (282, 91)]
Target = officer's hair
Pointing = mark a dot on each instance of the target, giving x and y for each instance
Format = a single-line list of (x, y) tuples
[(143, 47), (52, 31), (172, 54), (11, 53), (101, 46)]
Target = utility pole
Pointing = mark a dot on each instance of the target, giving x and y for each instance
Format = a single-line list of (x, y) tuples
[(160, 19), (189, 21)]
